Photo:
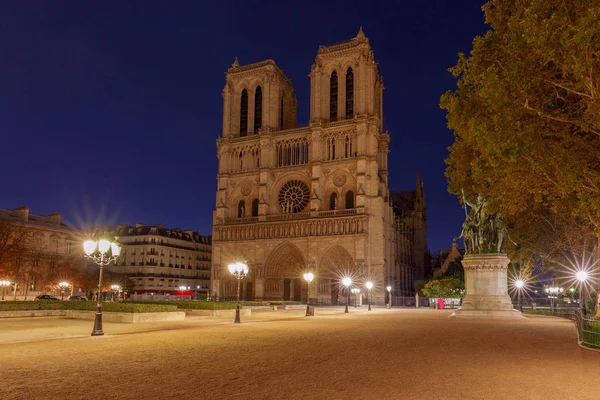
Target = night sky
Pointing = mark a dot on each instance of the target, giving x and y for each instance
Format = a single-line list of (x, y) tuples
[(109, 110)]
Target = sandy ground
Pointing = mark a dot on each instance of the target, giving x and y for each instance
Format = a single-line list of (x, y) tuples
[(384, 354)]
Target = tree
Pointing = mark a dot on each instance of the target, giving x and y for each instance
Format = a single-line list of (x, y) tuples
[(526, 119), (445, 287)]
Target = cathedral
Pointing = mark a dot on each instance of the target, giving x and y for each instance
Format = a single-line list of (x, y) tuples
[(312, 198)]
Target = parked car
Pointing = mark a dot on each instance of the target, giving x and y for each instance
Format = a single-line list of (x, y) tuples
[(46, 297), (80, 298)]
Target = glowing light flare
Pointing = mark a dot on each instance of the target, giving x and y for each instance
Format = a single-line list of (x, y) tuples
[(369, 285), (103, 246), (4, 283), (347, 281), (308, 277), (238, 268), (63, 284), (520, 283), (389, 289), (89, 246), (582, 276)]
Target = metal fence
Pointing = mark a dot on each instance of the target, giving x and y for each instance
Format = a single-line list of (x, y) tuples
[(587, 326)]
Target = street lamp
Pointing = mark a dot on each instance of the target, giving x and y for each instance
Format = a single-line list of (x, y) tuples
[(581, 277), (347, 282), (519, 284), (553, 292), (308, 277), (4, 285), (63, 286), (355, 291), (98, 251), (389, 289), (239, 271), (117, 289), (369, 286)]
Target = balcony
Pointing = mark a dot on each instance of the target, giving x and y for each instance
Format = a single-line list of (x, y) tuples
[(295, 216)]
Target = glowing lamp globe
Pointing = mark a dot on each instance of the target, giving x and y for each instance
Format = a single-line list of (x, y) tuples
[(347, 281), (369, 285), (581, 276), (389, 288), (89, 246), (519, 283), (309, 277), (115, 249), (103, 246)]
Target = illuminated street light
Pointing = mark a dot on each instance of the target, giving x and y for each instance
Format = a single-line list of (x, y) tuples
[(389, 289), (553, 292), (239, 271), (520, 284), (308, 277), (98, 251), (4, 285), (581, 277), (355, 291), (347, 282), (63, 286), (369, 286), (116, 289)]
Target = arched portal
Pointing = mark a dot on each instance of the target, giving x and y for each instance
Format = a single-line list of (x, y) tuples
[(336, 264), (283, 273)]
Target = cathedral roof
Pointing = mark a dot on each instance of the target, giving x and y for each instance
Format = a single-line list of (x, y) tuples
[(360, 38)]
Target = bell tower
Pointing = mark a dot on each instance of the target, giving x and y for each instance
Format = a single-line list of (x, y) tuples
[(345, 82), (257, 97)]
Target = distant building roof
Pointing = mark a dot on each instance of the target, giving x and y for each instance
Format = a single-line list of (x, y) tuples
[(22, 216), (160, 230)]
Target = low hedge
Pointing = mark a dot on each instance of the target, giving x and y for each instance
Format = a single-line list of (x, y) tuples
[(213, 305), (85, 306)]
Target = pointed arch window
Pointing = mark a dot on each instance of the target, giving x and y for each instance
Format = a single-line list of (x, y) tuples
[(349, 199), (257, 109), (244, 113), (241, 209), (255, 208), (332, 201), (333, 96), (349, 93)]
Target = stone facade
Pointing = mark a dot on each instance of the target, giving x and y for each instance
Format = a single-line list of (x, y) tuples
[(51, 247), (314, 198), (159, 260)]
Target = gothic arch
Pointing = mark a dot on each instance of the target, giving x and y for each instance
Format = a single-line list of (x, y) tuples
[(336, 262), (285, 261)]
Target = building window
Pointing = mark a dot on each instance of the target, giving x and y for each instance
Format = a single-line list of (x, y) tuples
[(333, 96), (257, 109), (333, 201), (292, 152), (241, 209), (349, 93), (69, 247), (255, 208), (244, 113), (349, 199)]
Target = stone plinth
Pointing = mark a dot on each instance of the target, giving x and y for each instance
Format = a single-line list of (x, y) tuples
[(486, 288)]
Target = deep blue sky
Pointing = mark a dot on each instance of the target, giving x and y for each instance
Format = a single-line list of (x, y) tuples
[(109, 110)]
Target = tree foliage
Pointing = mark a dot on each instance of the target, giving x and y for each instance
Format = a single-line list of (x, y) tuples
[(526, 119), (445, 287)]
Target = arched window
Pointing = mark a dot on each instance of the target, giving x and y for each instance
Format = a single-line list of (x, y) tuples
[(241, 209), (244, 113), (333, 201), (349, 199), (257, 109), (349, 93), (255, 208), (333, 96)]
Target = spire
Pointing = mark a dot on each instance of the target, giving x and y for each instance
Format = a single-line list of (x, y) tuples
[(235, 64), (361, 34)]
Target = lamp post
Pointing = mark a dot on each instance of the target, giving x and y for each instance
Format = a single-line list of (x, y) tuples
[(239, 271), (369, 286), (581, 277), (355, 291), (98, 251), (519, 284), (63, 286), (389, 289), (347, 282), (4, 285), (308, 277)]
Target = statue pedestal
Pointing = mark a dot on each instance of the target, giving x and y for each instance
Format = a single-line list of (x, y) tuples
[(486, 288)]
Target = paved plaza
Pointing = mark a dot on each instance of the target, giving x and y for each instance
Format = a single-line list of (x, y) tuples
[(383, 354)]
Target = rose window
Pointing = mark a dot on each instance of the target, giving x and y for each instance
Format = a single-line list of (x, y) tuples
[(293, 196)]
